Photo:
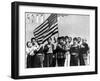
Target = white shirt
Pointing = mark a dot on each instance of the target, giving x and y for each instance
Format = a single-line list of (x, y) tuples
[(50, 50), (30, 51)]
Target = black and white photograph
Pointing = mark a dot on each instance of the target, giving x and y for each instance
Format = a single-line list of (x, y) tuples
[(57, 40), (51, 40)]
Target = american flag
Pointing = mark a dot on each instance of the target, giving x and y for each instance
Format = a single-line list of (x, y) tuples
[(47, 29)]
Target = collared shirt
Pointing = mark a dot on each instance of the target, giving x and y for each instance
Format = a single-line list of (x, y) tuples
[(30, 51)]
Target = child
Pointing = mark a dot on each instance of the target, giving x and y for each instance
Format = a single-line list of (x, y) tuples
[(29, 54), (74, 51)]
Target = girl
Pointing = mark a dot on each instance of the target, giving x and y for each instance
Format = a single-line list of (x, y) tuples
[(74, 51), (29, 54)]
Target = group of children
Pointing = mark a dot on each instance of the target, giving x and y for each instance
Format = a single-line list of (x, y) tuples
[(64, 51)]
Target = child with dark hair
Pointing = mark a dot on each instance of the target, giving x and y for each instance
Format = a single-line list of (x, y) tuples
[(48, 52), (74, 51), (29, 54), (79, 40), (67, 48), (33, 41), (54, 59), (60, 52), (84, 48), (81, 59), (35, 60), (70, 39)]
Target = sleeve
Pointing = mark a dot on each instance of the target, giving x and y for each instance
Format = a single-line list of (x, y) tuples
[(87, 47), (27, 50)]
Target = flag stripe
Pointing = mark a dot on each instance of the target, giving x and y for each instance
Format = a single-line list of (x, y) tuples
[(51, 31), (42, 25), (54, 25), (46, 27), (53, 22), (43, 32), (51, 34), (52, 16), (48, 34), (41, 28)]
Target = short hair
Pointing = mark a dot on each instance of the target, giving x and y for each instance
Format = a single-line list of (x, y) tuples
[(58, 38), (75, 38), (66, 37), (79, 39), (32, 39), (62, 37), (27, 43)]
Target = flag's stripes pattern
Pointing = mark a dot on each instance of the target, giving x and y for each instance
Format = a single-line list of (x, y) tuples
[(38, 33), (50, 33), (47, 29), (54, 25), (41, 26)]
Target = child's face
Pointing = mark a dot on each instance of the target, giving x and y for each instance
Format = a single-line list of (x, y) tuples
[(30, 44), (33, 41), (79, 39), (67, 40), (61, 41), (75, 42), (83, 40), (70, 39)]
